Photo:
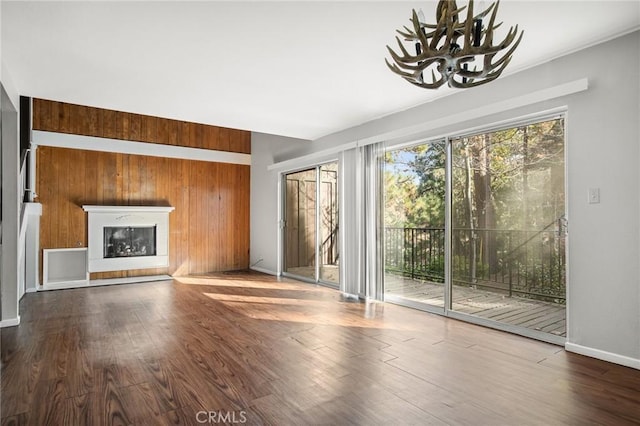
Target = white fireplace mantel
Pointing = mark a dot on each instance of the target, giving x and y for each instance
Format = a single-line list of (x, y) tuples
[(115, 216)]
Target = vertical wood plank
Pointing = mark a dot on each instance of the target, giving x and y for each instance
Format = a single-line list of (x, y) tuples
[(194, 218), (241, 234), (64, 118), (174, 128), (214, 191), (135, 127), (246, 148), (162, 136), (109, 124), (94, 127), (185, 242), (76, 174), (236, 140), (185, 134), (213, 136), (37, 114), (134, 190), (62, 203), (151, 129)]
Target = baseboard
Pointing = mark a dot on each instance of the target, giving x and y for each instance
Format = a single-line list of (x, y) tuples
[(109, 281), (263, 270), (11, 322), (351, 297), (31, 290), (603, 355)]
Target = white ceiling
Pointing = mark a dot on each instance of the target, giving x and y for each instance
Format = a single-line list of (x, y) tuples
[(300, 69)]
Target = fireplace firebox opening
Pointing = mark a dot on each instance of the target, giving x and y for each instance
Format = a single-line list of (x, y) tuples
[(129, 241)]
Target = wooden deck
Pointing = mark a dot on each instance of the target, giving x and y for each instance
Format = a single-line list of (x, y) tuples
[(535, 315)]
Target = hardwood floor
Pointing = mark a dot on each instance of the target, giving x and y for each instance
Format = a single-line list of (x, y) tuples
[(250, 348)]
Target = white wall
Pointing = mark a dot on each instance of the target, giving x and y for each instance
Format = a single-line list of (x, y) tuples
[(10, 223), (264, 198), (8, 84), (603, 139)]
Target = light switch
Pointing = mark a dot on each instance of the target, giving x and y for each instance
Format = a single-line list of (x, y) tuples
[(594, 195)]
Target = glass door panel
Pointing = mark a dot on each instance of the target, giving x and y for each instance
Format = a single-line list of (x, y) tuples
[(329, 255), (300, 224), (508, 239), (311, 224), (414, 217)]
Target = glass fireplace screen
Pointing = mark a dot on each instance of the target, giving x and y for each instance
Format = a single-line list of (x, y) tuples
[(129, 241)]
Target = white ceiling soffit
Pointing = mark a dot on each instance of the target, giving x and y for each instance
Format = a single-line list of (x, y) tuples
[(298, 69)]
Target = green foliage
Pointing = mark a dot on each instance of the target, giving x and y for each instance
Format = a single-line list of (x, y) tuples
[(414, 181)]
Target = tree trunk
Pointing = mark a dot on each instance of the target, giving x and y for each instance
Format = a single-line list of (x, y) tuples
[(469, 202), (483, 201)]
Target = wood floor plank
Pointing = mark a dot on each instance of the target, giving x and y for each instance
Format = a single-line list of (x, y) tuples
[(279, 352)]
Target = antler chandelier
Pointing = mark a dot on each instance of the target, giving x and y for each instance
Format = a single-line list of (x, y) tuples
[(448, 47)]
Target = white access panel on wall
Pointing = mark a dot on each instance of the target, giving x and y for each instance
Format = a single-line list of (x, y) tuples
[(64, 267)]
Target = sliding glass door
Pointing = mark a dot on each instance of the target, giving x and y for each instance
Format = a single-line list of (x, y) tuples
[(311, 224), (501, 257)]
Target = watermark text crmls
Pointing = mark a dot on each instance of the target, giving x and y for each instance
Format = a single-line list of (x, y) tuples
[(221, 416)]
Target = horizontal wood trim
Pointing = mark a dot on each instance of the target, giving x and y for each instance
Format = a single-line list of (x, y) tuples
[(209, 229), (92, 143), (61, 117)]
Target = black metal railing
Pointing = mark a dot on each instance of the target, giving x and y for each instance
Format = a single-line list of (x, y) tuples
[(529, 263)]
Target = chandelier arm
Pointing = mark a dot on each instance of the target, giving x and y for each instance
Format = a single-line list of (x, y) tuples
[(427, 49), (511, 35), (419, 66), (507, 55), (433, 78), (436, 35), (485, 12), (434, 84), (482, 50), (428, 85), (397, 70), (493, 74), (490, 76), (408, 35), (406, 56), (452, 27), (468, 28), (490, 69), (488, 40)]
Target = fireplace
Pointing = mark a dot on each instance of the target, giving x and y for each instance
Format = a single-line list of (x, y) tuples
[(129, 241), (127, 237)]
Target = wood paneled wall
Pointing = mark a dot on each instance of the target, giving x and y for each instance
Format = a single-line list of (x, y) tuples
[(209, 228), (62, 117)]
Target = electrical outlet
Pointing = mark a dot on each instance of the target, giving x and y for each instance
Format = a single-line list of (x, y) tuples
[(594, 195)]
